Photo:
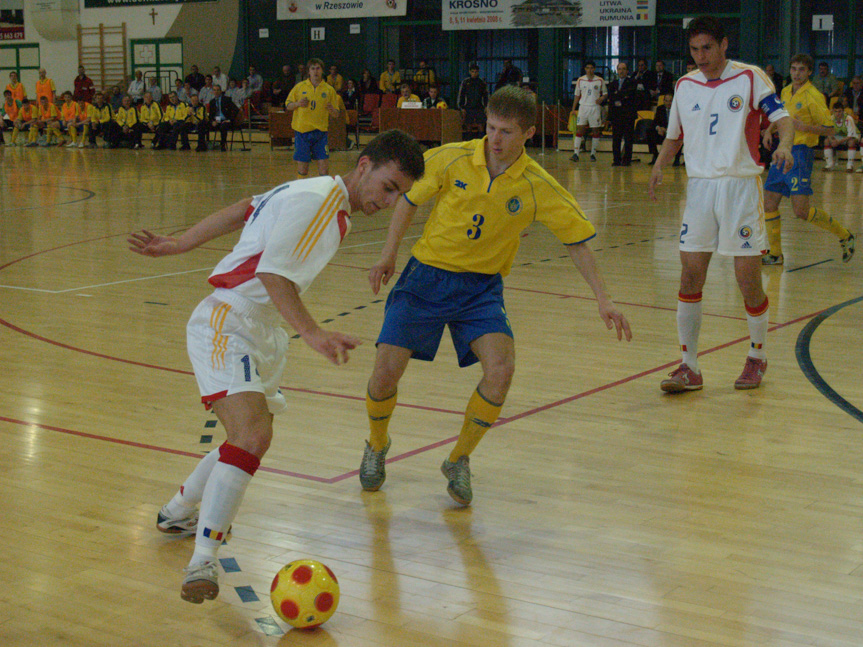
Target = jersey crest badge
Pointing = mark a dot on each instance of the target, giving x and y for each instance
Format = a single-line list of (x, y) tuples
[(735, 103), (745, 232), (513, 206)]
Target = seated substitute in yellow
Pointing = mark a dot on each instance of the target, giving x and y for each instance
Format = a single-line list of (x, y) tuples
[(84, 116), (485, 193), (47, 121), (406, 95)]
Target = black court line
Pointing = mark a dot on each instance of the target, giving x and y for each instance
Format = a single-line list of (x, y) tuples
[(804, 360), (805, 267), (60, 204), (345, 314), (598, 249)]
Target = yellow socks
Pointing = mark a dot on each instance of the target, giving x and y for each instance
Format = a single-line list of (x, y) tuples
[(379, 419), (823, 219), (774, 232), (479, 416)]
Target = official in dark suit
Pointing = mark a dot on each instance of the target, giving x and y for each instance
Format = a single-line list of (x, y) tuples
[(657, 132), (623, 97), (660, 82), (854, 96), (222, 113)]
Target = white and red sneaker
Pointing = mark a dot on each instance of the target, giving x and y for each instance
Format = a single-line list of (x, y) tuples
[(682, 379), (753, 372)]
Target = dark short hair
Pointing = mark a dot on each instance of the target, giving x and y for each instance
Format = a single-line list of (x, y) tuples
[(824, 63), (705, 25), (473, 66), (803, 59), (5, 92), (399, 147), (315, 61), (588, 62)]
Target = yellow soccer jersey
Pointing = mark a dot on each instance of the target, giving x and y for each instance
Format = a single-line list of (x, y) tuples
[(401, 100), (476, 222), (315, 116), (807, 105), (178, 113), (48, 113), (103, 114), (196, 114), (87, 113), (126, 116), (151, 114)]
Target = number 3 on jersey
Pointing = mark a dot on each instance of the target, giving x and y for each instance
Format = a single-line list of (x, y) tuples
[(475, 232)]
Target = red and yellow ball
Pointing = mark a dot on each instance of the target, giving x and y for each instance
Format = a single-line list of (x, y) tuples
[(305, 593)]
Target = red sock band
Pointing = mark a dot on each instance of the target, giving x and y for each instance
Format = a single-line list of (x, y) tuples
[(689, 298), (757, 311), (231, 455)]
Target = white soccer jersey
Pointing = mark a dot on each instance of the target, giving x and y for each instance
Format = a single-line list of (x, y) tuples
[(720, 120), (589, 90), (293, 231)]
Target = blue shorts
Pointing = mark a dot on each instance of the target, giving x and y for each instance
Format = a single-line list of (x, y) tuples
[(799, 180), (427, 298), (310, 145)]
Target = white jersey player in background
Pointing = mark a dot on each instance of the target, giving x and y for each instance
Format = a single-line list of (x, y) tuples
[(718, 109), (590, 92), (235, 340)]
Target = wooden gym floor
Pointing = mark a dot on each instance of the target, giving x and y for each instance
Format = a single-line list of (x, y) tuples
[(606, 514)]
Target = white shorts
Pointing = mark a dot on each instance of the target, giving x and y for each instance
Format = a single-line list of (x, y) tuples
[(589, 116), (724, 215), (237, 347)]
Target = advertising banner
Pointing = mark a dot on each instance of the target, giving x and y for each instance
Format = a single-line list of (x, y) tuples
[(319, 9), (12, 21), (101, 4), (521, 14)]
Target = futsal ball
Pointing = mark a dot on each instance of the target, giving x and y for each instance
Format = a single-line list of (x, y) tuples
[(305, 593)]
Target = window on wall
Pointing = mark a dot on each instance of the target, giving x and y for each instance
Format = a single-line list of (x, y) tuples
[(22, 59), (490, 47), (832, 46), (425, 43)]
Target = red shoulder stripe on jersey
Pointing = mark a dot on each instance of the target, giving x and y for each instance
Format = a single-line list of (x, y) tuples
[(240, 274), (249, 213), (343, 224)]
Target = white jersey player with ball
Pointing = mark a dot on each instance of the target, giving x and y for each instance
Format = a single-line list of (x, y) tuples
[(235, 339)]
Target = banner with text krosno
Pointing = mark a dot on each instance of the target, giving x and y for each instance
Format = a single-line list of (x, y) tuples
[(318, 9), (520, 14)]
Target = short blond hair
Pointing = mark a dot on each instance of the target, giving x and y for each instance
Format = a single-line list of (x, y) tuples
[(511, 102)]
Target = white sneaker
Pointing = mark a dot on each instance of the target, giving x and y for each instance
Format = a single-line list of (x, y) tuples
[(71, 145), (187, 525), (81, 145), (201, 582)]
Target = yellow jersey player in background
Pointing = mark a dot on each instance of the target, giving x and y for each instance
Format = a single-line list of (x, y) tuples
[(312, 101), (808, 109), (486, 192)]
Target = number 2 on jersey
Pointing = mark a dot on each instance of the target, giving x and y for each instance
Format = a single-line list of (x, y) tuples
[(714, 119)]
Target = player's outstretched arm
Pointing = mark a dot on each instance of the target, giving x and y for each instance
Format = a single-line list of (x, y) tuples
[(670, 148), (585, 263), (217, 224), (332, 345), (386, 266)]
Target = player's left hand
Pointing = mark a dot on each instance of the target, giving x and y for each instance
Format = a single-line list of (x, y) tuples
[(783, 159), (149, 244), (654, 181), (614, 318)]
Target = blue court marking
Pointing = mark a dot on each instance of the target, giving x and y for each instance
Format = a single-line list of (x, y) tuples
[(269, 626), (246, 593), (206, 438), (808, 266), (804, 360), (210, 423), (229, 565)]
